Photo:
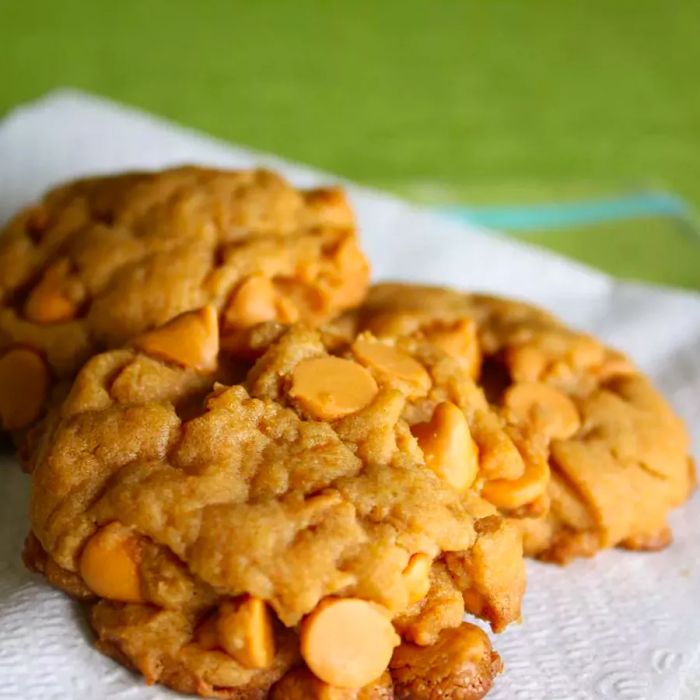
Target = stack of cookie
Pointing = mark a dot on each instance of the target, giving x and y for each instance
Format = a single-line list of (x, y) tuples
[(269, 480)]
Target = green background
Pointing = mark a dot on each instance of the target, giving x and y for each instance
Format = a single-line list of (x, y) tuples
[(443, 101)]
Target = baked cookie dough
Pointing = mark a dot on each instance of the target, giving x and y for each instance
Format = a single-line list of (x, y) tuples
[(283, 536), (617, 452), (99, 261)]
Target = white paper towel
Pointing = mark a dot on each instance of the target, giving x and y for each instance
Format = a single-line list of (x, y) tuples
[(622, 626)]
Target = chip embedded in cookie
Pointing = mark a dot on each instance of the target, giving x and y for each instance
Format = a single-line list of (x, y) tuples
[(285, 535), (99, 261), (617, 453)]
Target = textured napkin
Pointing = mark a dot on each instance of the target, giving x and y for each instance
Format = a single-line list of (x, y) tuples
[(623, 625)]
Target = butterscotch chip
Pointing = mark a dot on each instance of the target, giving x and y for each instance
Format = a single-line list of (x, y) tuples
[(24, 386), (256, 300), (459, 339), (332, 387), (245, 536), (56, 297), (109, 564), (45, 307), (99, 262), (190, 339), (526, 363), (347, 642), (448, 447), (392, 363), (417, 576), (252, 302), (459, 666), (510, 494), (245, 631), (545, 408)]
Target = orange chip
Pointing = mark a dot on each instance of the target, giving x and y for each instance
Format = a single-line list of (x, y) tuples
[(545, 408), (458, 339), (332, 387), (109, 564), (24, 387), (417, 576), (55, 298), (391, 363), (347, 642), (190, 339), (256, 300), (245, 632), (509, 494), (448, 447)]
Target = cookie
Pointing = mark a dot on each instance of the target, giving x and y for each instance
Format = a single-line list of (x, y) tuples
[(618, 454), (284, 535), (99, 261)]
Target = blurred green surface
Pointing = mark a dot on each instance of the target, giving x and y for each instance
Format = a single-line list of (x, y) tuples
[(479, 101)]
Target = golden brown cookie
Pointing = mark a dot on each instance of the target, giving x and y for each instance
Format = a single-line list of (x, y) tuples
[(618, 454), (99, 261), (227, 536)]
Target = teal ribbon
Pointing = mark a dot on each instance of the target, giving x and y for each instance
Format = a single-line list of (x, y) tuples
[(531, 217)]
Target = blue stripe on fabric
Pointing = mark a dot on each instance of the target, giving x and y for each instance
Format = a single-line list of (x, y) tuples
[(531, 217)]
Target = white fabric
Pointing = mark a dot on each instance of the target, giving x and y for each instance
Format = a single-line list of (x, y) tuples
[(620, 626)]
